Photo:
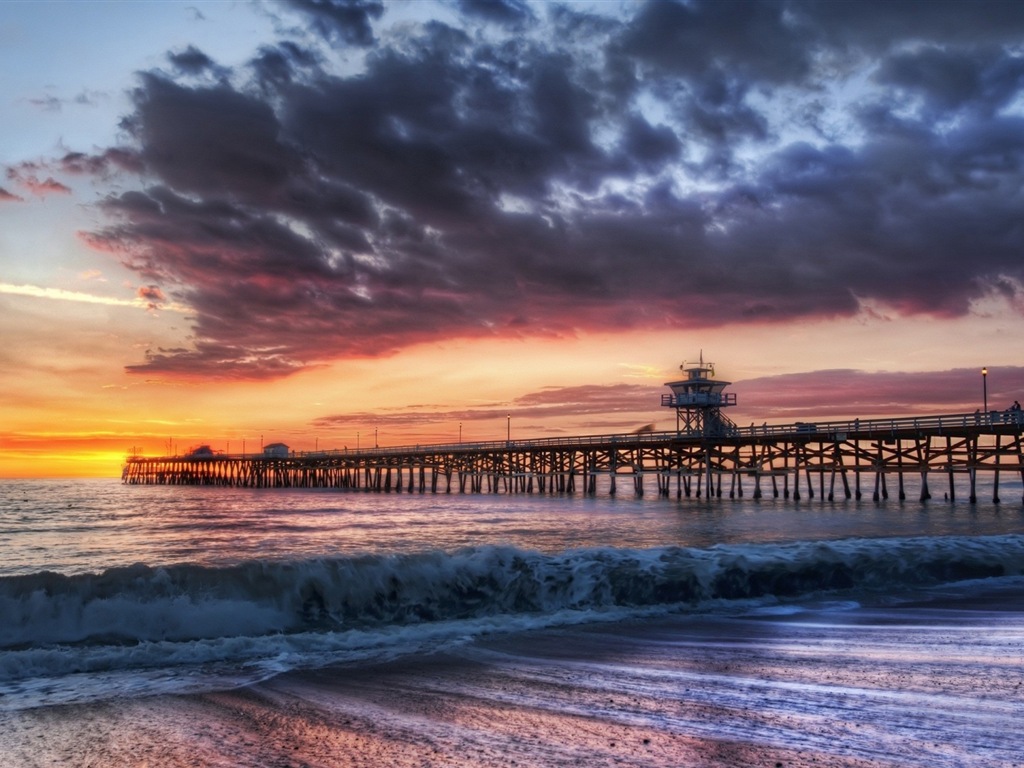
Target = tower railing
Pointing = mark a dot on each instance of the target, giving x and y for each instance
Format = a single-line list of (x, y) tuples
[(699, 399)]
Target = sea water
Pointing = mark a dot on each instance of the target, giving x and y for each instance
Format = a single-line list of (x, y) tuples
[(311, 627)]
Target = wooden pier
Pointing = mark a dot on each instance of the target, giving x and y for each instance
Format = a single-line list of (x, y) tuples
[(706, 457)]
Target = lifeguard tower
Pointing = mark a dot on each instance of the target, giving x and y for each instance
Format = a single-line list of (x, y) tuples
[(698, 400)]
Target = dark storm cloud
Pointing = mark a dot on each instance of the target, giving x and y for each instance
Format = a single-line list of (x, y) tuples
[(649, 146), (752, 40), (346, 20), (191, 61), (948, 81), (689, 165), (277, 65), (508, 12), (209, 140), (877, 25)]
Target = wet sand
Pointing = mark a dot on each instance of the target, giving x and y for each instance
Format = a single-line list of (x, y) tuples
[(929, 685), (398, 716)]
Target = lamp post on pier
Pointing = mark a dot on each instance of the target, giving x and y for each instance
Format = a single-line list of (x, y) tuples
[(508, 428), (984, 389)]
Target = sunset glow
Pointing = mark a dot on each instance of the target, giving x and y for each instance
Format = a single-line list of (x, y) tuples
[(330, 224)]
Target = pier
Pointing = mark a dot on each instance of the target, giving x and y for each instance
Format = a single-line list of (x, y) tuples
[(706, 456)]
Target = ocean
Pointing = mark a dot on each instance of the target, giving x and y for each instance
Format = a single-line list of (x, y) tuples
[(200, 626)]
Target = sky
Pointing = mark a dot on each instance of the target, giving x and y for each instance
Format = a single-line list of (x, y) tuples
[(349, 223)]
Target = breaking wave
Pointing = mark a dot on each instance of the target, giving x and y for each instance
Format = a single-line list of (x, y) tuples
[(138, 617)]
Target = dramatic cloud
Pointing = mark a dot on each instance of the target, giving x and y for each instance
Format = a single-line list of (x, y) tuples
[(534, 170), (5, 195)]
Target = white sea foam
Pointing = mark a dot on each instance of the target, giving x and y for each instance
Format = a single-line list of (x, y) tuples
[(246, 621)]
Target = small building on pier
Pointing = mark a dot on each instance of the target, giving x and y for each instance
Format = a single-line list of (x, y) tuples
[(698, 401)]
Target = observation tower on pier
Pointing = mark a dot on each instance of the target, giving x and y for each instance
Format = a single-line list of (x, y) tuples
[(698, 401)]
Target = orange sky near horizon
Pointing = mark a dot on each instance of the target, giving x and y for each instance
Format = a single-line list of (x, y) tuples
[(72, 410)]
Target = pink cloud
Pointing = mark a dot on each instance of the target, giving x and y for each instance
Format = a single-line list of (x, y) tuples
[(606, 408), (48, 186), (153, 295), (853, 393), (27, 176)]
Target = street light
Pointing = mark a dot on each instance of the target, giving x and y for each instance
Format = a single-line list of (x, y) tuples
[(984, 388), (508, 430)]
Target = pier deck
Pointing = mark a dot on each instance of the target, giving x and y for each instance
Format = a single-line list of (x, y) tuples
[(823, 459)]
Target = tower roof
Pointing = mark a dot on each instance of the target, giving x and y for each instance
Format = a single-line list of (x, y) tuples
[(700, 388)]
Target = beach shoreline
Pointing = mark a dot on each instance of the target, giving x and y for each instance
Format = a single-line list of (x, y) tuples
[(794, 687)]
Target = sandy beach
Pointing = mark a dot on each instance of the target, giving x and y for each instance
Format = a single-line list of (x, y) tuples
[(842, 686)]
